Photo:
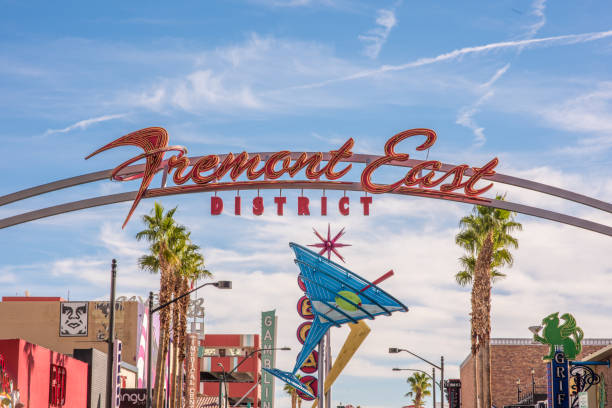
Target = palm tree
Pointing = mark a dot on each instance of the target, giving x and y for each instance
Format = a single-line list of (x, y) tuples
[(162, 232), (486, 236), (419, 388), (191, 269)]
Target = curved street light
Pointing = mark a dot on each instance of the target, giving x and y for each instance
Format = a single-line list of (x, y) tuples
[(432, 376), (395, 350), (218, 284)]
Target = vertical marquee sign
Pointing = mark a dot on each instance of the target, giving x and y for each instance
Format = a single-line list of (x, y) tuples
[(193, 376), (116, 391), (558, 381), (268, 341), (453, 387)]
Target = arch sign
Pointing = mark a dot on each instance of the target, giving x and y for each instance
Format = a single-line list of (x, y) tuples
[(297, 170)]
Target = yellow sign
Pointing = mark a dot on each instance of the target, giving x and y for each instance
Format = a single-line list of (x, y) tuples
[(359, 331)]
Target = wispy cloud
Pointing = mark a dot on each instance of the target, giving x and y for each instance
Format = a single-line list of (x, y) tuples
[(590, 113), (458, 53), (376, 37), (84, 124), (537, 10), (466, 114)]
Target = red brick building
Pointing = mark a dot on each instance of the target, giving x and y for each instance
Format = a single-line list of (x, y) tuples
[(44, 377), (512, 362), (219, 352)]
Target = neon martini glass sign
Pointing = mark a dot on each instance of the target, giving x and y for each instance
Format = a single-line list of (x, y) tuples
[(211, 169)]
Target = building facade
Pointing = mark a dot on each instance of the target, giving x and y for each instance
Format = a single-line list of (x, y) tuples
[(64, 326), (44, 378), (517, 371), (230, 353)]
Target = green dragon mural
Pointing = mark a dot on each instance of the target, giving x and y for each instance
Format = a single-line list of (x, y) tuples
[(567, 335)]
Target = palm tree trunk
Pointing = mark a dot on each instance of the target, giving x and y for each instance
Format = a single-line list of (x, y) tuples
[(476, 382), (174, 393), (474, 347), (481, 373), (487, 370), (165, 294), (161, 362), (482, 291), (175, 344), (183, 305), (293, 398)]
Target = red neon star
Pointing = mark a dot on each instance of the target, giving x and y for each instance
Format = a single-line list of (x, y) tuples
[(329, 245)]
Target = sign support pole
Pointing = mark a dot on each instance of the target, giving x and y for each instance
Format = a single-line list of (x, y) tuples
[(321, 379), (327, 367), (149, 349), (110, 376)]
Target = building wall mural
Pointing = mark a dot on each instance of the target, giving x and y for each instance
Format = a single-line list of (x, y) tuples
[(73, 319)]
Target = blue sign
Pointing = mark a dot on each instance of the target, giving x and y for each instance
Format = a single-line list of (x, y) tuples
[(558, 381)]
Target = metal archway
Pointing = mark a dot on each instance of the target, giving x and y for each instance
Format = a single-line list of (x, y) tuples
[(134, 170)]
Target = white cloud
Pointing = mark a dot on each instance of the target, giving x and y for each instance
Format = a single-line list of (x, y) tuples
[(238, 78), (590, 113), (376, 38), (84, 124), (466, 114)]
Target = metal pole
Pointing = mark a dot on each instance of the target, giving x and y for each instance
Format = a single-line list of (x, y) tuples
[(442, 382), (221, 383), (321, 387), (532, 386), (111, 338), (149, 349), (433, 386), (328, 365)]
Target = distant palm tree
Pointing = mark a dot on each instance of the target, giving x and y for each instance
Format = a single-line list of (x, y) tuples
[(191, 269), (162, 232), (295, 398), (486, 237), (419, 388)]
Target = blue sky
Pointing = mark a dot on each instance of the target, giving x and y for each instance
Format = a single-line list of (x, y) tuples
[(526, 81)]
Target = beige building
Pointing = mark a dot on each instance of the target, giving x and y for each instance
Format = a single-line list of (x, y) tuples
[(63, 326)]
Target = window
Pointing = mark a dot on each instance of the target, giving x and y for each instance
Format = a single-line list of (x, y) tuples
[(57, 391)]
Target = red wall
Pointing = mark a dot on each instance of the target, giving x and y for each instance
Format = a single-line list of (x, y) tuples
[(30, 367), (252, 365)]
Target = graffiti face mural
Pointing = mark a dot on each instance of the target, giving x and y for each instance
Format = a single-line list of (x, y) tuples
[(73, 319)]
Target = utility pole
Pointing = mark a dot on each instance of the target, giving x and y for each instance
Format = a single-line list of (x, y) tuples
[(110, 380), (149, 349), (433, 386), (442, 381)]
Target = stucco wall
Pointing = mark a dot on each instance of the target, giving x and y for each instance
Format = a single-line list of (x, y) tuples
[(38, 322), (33, 373)]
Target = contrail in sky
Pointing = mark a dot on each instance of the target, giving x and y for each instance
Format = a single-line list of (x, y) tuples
[(562, 39)]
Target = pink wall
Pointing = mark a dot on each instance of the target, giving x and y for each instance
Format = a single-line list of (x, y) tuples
[(30, 365)]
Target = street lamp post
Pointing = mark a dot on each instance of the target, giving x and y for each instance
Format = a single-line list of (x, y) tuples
[(219, 285), (239, 364), (532, 386), (433, 388), (394, 350), (518, 390), (221, 383), (432, 376)]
